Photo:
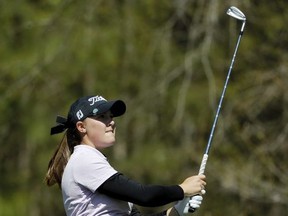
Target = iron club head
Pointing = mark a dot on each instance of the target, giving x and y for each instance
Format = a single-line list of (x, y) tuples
[(236, 13)]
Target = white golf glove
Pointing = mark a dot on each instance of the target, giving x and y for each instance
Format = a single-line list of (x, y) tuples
[(182, 207)]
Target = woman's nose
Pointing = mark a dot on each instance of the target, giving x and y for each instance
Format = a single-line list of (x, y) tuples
[(111, 122)]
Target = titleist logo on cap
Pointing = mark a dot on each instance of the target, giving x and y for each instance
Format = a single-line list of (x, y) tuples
[(96, 99)]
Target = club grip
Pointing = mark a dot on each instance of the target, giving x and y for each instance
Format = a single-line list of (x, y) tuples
[(203, 164), (201, 171)]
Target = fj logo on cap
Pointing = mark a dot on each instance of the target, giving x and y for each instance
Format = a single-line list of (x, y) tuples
[(96, 99), (79, 114)]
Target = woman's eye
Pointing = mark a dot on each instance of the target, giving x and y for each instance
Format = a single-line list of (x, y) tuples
[(105, 116)]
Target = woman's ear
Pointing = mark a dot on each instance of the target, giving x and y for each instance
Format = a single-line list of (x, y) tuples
[(81, 127)]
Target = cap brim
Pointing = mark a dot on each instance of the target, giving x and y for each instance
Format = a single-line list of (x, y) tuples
[(116, 107)]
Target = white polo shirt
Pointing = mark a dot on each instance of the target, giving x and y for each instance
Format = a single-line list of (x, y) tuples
[(85, 171)]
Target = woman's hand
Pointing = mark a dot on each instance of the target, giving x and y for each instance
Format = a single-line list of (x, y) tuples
[(193, 185)]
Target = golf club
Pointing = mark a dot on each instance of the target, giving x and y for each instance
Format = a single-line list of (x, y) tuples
[(237, 14)]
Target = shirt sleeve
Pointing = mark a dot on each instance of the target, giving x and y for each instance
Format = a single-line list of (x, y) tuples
[(120, 187), (92, 171)]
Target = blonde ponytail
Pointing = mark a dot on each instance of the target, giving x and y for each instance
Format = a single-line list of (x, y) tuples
[(61, 156)]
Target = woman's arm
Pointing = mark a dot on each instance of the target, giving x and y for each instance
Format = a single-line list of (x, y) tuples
[(120, 187)]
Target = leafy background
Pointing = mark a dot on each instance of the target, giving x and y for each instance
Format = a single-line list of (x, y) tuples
[(168, 60)]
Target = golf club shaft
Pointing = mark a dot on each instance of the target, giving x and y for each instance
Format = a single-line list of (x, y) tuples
[(205, 156)]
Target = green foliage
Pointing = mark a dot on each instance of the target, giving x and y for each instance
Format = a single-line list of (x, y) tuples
[(168, 60)]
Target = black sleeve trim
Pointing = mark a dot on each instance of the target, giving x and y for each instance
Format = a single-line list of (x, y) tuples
[(120, 187)]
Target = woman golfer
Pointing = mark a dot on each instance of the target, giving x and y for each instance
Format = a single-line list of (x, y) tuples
[(89, 184)]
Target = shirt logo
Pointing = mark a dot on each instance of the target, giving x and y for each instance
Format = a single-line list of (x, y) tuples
[(95, 99)]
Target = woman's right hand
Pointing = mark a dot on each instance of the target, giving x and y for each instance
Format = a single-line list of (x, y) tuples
[(193, 185)]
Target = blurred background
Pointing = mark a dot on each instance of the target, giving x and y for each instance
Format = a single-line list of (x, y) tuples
[(168, 61)]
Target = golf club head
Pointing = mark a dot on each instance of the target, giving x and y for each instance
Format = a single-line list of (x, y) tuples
[(236, 13)]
